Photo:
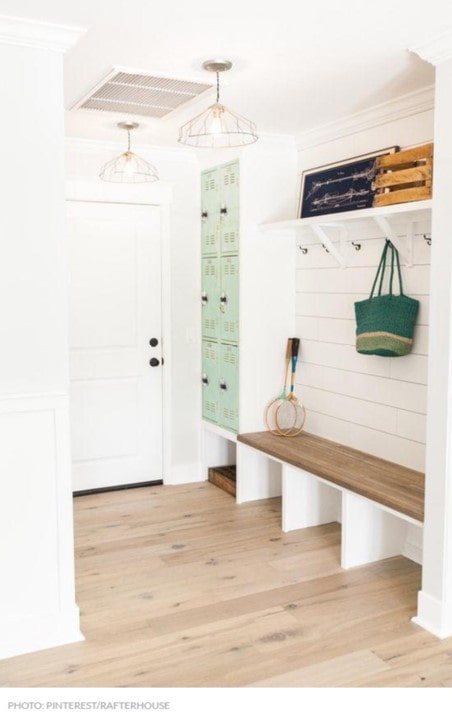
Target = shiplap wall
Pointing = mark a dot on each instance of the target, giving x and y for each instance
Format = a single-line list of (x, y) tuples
[(374, 404)]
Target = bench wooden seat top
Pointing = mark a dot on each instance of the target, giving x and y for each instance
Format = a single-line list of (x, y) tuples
[(387, 483)]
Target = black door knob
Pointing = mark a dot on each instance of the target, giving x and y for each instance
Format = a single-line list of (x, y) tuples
[(153, 342), (154, 362)]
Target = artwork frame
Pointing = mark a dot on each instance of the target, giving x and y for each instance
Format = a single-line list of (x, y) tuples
[(349, 184)]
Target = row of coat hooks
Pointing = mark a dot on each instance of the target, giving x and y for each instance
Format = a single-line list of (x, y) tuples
[(427, 237)]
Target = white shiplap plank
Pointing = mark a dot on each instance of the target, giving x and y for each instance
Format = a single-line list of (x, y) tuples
[(342, 305), (411, 425), (381, 444), (358, 280), (412, 369), (354, 410), (385, 391)]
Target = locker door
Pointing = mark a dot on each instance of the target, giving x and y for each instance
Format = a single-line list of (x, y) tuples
[(229, 229), (210, 233), (210, 211), (229, 299), (229, 386), (210, 297), (210, 181), (229, 184), (210, 383), (229, 207)]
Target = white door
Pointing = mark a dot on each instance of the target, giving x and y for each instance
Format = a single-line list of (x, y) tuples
[(114, 316)]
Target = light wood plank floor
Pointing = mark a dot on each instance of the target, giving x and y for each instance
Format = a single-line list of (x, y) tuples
[(180, 587)]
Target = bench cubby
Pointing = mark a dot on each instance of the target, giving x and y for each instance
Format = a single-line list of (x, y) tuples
[(320, 481)]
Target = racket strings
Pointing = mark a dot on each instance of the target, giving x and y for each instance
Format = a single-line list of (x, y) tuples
[(290, 417), (270, 415), (285, 415)]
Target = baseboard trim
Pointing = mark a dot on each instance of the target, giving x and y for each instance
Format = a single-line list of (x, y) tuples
[(183, 474), (413, 552), (433, 615), (115, 488), (23, 634)]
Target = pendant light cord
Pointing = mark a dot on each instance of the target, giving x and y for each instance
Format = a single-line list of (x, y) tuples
[(128, 139), (218, 87)]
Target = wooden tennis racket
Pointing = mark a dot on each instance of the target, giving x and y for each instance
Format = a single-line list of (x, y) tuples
[(290, 415), (270, 410)]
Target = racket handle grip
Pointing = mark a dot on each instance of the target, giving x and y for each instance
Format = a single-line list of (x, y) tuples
[(295, 346)]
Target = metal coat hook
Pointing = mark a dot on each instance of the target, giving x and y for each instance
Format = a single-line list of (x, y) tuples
[(428, 238), (304, 250), (357, 246)]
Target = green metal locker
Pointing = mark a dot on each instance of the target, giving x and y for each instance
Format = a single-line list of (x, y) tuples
[(210, 381), (229, 386), (229, 299), (210, 297), (220, 294)]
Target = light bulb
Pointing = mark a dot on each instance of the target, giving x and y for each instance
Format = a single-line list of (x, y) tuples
[(216, 127), (128, 166)]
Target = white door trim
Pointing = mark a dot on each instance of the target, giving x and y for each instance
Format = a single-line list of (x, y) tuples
[(161, 195)]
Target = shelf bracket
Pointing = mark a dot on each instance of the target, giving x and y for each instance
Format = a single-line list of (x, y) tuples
[(406, 253), (330, 246)]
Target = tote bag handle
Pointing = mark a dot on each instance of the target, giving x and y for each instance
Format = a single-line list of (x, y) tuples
[(382, 268)]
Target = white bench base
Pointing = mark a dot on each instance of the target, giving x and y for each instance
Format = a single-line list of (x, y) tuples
[(370, 531)]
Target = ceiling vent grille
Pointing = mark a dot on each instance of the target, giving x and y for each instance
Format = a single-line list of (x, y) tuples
[(131, 93)]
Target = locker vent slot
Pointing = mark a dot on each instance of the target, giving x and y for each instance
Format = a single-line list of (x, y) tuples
[(230, 177), (210, 324)]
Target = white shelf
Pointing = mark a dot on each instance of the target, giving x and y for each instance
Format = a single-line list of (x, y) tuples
[(413, 211), (407, 213)]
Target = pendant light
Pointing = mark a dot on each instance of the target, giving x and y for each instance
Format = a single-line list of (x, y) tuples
[(128, 167), (218, 127)]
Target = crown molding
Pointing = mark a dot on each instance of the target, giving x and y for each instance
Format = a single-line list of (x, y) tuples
[(397, 109), (276, 138), (38, 35), (437, 49)]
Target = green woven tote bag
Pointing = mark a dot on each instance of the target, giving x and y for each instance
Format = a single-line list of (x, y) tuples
[(385, 323)]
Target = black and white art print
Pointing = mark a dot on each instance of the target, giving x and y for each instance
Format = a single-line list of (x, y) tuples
[(341, 186)]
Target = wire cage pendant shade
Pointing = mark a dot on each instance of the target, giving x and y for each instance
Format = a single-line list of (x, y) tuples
[(128, 167), (218, 127)]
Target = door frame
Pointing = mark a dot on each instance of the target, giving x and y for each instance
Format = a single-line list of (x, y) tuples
[(161, 195)]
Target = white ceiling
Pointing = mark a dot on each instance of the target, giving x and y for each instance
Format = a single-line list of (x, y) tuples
[(297, 64)]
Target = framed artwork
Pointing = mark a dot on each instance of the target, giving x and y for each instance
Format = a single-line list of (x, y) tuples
[(339, 187)]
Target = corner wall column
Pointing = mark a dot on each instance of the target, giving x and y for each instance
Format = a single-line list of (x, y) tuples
[(37, 598), (435, 598)]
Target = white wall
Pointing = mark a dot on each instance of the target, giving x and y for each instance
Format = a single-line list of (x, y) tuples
[(179, 169), (37, 602), (375, 404)]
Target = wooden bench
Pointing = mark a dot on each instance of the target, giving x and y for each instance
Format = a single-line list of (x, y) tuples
[(321, 481)]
